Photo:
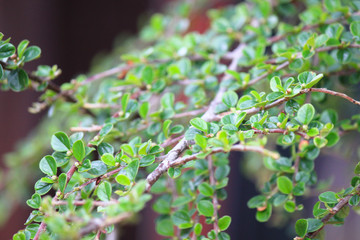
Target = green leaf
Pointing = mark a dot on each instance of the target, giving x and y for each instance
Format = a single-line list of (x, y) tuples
[(197, 229), (147, 160), (35, 201), (21, 48), (166, 127), (108, 159), (62, 182), (132, 169), (332, 5), (355, 28), (19, 236), (105, 129), (105, 148), (263, 216), (224, 223), (60, 142), (164, 226), (201, 141), (147, 75), (205, 208), (289, 206), (104, 191), (79, 150), (314, 224), (205, 189), (328, 197), (6, 50), (256, 201), (200, 124), (1, 72), (305, 114), (32, 53), (357, 169), (181, 219), (320, 142), (275, 84), (48, 165), (124, 101), (301, 227), (123, 180), (230, 99), (144, 109), (128, 149), (18, 80), (284, 184), (42, 187), (354, 200)]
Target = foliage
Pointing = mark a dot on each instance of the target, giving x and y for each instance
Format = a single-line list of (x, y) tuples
[(164, 120)]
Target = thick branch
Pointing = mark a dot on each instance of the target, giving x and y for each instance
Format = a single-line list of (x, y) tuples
[(182, 145)]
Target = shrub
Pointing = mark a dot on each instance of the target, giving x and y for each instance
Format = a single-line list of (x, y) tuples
[(164, 120)]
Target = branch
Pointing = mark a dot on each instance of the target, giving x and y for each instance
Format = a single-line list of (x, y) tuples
[(285, 99), (100, 223), (277, 38), (107, 73), (342, 203), (182, 145)]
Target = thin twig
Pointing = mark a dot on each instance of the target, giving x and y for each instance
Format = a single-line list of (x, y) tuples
[(214, 197), (285, 99), (342, 203), (100, 223)]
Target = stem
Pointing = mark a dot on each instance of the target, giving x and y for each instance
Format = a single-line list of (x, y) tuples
[(214, 197)]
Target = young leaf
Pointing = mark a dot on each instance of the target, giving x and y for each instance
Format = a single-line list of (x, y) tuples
[(123, 180), (147, 75), (284, 184), (144, 109), (224, 223), (35, 201), (108, 159), (201, 141), (21, 48), (62, 182), (48, 165)]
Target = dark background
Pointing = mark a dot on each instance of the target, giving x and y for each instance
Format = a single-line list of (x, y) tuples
[(70, 34)]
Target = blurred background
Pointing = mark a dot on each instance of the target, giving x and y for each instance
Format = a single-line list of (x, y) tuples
[(71, 34)]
